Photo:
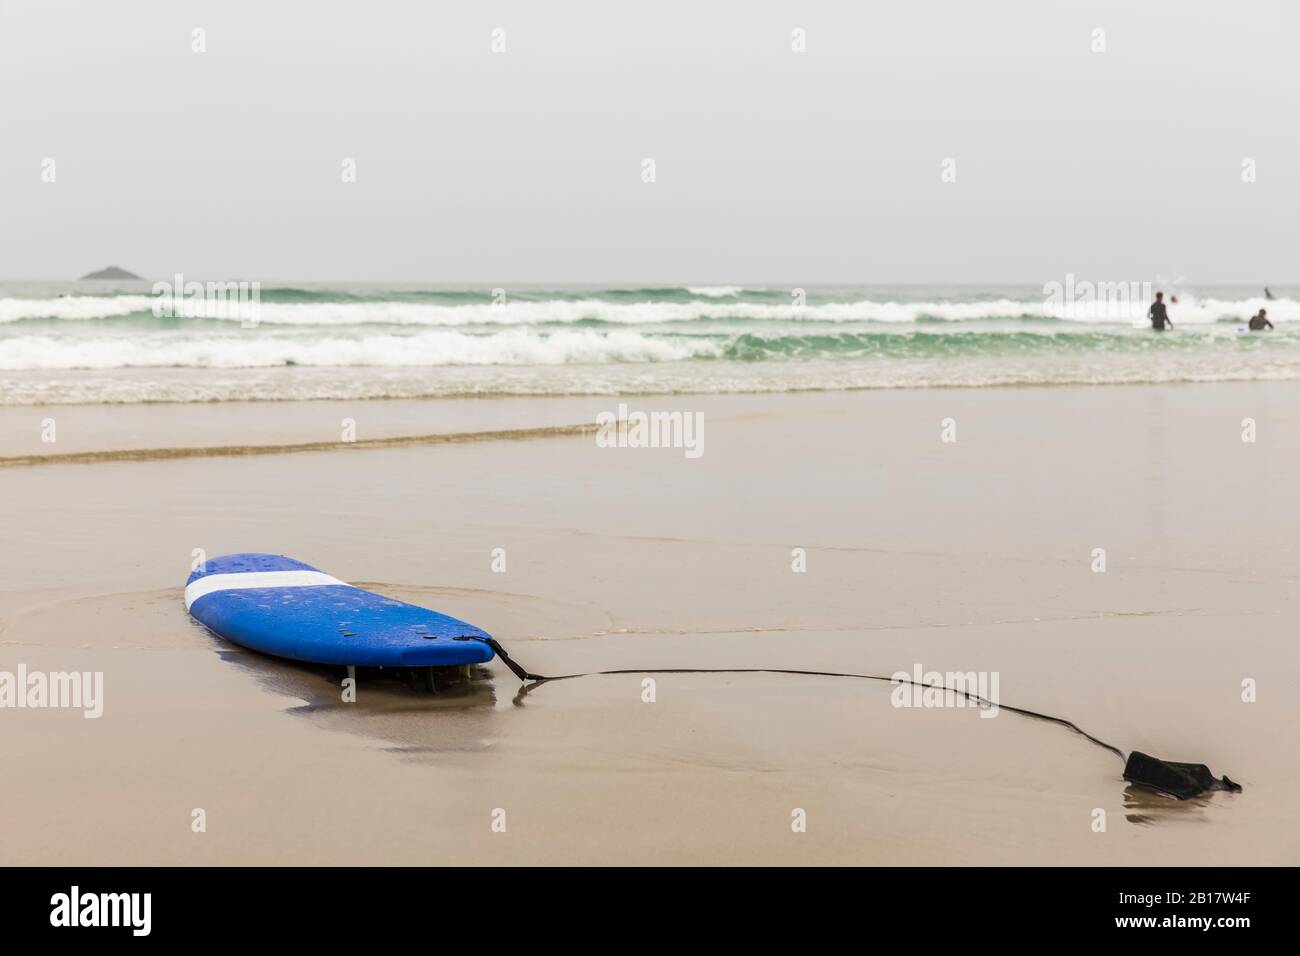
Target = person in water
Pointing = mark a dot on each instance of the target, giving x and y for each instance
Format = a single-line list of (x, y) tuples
[(1258, 323), (1157, 314)]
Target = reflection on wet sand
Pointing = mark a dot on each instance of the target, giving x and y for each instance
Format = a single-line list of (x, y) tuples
[(412, 720), (1146, 807)]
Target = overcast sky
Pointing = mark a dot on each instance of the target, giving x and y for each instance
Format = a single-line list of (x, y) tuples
[(772, 166)]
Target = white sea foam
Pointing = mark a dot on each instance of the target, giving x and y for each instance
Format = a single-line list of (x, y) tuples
[(73, 307), (715, 291), (206, 385), (432, 348), (564, 311)]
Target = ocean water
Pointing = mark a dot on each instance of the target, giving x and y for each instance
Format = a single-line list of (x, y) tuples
[(103, 342)]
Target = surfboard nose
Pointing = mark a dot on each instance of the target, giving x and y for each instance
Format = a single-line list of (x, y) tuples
[(247, 562)]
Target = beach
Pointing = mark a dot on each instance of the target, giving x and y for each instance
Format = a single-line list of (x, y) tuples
[(973, 554)]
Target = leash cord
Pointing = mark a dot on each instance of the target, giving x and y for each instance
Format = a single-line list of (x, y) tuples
[(532, 680)]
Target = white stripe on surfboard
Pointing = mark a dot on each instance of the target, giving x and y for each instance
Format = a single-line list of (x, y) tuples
[(242, 580)]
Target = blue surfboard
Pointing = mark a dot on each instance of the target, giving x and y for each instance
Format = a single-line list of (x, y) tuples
[(283, 607)]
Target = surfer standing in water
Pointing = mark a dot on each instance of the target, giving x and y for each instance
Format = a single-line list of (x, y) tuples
[(1157, 314), (1258, 323)]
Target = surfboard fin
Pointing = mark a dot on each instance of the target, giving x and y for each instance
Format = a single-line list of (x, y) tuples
[(1181, 780)]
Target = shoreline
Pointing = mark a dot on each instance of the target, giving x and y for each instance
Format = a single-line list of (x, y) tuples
[(100, 432), (1245, 377), (651, 393)]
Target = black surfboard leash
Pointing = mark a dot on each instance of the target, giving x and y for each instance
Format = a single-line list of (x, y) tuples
[(527, 676), (1181, 780)]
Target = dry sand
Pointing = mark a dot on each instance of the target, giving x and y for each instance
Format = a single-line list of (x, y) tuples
[(974, 555)]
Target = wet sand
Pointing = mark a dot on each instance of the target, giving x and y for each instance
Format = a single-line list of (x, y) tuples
[(974, 555)]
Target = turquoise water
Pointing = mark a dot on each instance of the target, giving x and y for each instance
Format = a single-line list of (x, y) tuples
[(113, 342)]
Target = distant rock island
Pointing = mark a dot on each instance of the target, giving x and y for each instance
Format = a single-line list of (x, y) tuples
[(112, 272)]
